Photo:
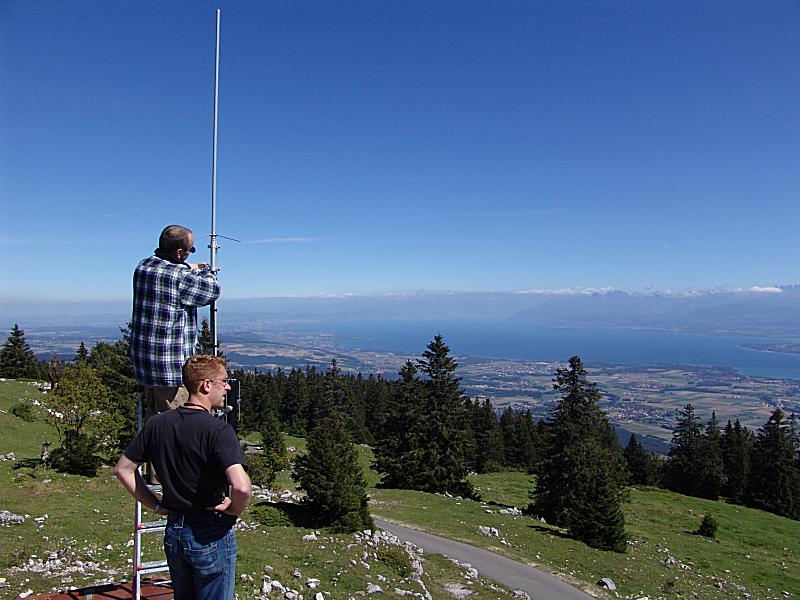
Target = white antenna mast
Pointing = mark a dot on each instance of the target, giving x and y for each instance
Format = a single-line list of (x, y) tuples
[(213, 244)]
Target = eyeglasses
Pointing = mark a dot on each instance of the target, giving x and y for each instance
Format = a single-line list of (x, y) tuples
[(192, 250), (222, 381)]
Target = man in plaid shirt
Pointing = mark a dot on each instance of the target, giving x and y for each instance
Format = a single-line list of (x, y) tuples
[(166, 294)]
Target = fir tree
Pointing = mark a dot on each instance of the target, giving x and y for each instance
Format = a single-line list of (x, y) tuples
[(81, 354), (16, 358), (489, 446), (712, 469), (521, 440), (205, 345), (112, 364), (642, 466), (427, 442), (735, 445), (333, 479), (580, 482), (774, 483), (443, 435), (272, 460), (397, 452), (685, 466)]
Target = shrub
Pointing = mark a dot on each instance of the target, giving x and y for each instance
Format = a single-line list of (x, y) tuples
[(77, 456), (269, 515), (396, 559), (708, 527), (264, 468), (24, 411)]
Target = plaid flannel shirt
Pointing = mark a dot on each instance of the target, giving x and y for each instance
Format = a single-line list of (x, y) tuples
[(164, 326)]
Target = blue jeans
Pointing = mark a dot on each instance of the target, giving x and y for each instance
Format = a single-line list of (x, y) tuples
[(201, 554)]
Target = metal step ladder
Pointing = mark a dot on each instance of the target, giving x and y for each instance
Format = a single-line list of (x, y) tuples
[(140, 528)]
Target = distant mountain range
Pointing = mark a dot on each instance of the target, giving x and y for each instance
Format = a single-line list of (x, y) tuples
[(771, 312)]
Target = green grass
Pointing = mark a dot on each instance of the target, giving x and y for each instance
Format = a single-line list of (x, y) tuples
[(91, 521), (755, 552), (20, 437)]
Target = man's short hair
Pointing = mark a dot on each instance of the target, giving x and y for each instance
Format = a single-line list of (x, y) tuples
[(173, 238), (200, 367)]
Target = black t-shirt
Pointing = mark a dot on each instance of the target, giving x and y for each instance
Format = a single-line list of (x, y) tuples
[(190, 450)]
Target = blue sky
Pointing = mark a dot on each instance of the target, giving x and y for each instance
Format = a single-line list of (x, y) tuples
[(367, 147)]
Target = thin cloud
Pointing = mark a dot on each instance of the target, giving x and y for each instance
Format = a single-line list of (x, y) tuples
[(38, 242), (285, 240), (542, 212)]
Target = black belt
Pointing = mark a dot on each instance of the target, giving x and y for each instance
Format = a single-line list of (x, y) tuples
[(202, 518)]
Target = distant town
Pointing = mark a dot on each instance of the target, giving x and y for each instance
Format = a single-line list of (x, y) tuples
[(638, 398)]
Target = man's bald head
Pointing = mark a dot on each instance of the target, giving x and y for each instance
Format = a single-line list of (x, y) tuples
[(174, 238)]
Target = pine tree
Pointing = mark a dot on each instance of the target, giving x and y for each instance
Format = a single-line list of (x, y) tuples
[(521, 440), (489, 447), (443, 435), (264, 467), (81, 354), (712, 469), (580, 482), (735, 445), (427, 444), (774, 483), (16, 358), (397, 454), (112, 364), (642, 467), (685, 465), (333, 479), (205, 345)]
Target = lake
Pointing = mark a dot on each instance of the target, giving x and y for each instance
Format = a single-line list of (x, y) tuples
[(506, 339)]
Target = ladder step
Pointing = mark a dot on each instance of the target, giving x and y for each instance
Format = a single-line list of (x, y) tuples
[(154, 487), (151, 526), (152, 567)]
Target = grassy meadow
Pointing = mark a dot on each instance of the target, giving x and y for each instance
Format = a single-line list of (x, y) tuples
[(76, 533)]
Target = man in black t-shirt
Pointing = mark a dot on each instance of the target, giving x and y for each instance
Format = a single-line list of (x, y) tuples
[(198, 459)]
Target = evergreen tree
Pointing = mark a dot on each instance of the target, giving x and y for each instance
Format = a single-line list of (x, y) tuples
[(296, 405), (521, 440), (264, 467), (16, 358), (205, 345), (712, 469), (580, 481), (489, 447), (396, 454), (685, 466), (112, 364), (333, 479), (272, 437), (735, 445), (642, 466), (81, 354), (443, 434), (426, 446), (774, 483)]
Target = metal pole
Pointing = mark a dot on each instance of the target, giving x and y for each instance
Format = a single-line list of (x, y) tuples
[(213, 244)]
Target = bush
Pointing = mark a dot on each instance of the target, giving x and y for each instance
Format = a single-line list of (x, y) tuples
[(264, 468), (270, 516), (77, 456), (396, 559), (708, 527), (24, 411)]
